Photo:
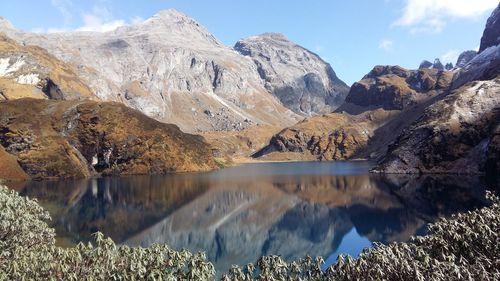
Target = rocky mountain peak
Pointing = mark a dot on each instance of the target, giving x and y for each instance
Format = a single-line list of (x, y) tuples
[(299, 78), (171, 16), (437, 64), (274, 36), (172, 26), (425, 64), (491, 34)]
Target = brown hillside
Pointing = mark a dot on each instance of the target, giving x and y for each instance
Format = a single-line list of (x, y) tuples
[(72, 139)]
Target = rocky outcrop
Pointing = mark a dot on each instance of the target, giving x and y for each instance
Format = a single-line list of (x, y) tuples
[(377, 109), (465, 57), (300, 79), (73, 139), (484, 66), (458, 134), (436, 65), (239, 145), (28, 71), (328, 137), (170, 68), (393, 87), (491, 34)]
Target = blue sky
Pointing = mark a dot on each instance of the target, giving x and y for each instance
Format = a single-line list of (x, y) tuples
[(352, 36)]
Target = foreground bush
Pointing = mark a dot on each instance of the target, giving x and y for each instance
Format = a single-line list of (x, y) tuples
[(465, 247)]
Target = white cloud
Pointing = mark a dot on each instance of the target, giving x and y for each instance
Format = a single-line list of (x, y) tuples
[(137, 20), (386, 45), (319, 48), (100, 18), (432, 15), (450, 56), (93, 22)]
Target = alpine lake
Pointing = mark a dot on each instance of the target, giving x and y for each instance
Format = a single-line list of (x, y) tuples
[(237, 214)]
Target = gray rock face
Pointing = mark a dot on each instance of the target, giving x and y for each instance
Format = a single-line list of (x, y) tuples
[(425, 64), (300, 79), (436, 65), (484, 66), (170, 68), (465, 58), (491, 34)]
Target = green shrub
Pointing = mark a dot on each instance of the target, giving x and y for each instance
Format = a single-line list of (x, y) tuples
[(465, 247), (28, 252)]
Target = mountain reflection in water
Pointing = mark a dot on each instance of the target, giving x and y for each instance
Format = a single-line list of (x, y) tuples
[(238, 214)]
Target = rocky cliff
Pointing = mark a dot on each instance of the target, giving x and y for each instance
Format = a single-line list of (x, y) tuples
[(73, 139), (458, 134), (300, 79), (465, 57), (491, 34)]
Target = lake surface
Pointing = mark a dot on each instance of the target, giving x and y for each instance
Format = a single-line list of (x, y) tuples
[(238, 214)]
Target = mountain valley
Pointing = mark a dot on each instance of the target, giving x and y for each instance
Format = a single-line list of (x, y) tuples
[(265, 99)]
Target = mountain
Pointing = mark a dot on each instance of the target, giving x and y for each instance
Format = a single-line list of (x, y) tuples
[(172, 69), (379, 106), (393, 87), (461, 132), (333, 136), (75, 139), (300, 79), (411, 121), (458, 134)]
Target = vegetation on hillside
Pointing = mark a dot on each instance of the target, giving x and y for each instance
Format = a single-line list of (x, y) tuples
[(465, 247)]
